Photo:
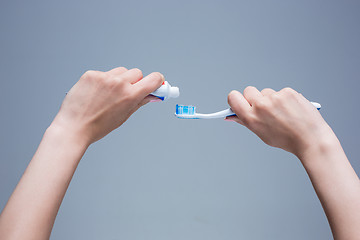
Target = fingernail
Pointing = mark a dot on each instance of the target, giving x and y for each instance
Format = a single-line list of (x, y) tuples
[(155, 100)]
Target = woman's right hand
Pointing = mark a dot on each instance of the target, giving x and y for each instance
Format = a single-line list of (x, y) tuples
[(283, 119)]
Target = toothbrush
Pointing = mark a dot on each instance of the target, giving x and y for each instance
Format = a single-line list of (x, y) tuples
[(189, 112)]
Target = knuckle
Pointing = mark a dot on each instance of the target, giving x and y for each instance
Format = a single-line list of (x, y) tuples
[(262, 104), (111, 83), (94, 75), (248, 88), (276, 96), (120, 81), (288, 91), (89, 74), (159, 76), (137, 71), (266, 90)]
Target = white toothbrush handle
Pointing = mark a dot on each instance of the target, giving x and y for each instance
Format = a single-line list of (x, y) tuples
[(317, 105), (231, 113), (221, 114)]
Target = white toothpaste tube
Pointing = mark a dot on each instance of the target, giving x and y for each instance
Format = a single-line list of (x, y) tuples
[(166, 91)]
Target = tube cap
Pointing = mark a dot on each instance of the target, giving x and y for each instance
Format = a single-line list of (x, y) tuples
[(174, 92)]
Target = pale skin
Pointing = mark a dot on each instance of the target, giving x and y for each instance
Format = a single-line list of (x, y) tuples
[(287, 120), (102, 101)]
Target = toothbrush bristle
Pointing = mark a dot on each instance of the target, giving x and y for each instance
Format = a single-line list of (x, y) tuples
[(185, 110)]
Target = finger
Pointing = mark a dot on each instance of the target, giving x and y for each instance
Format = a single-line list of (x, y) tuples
[(302, 96), (117, 71), (143, 102), (267, 91), (133, 75), (149, 84), (251, 94), (149, 99), (304, 100), (288, 92), (152, 98), (239, 104), (234, 119)]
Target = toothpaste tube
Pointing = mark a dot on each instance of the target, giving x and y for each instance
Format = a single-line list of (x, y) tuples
[(166, 91)]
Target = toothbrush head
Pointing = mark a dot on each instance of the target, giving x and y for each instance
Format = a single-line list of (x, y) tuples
[(183, 111)]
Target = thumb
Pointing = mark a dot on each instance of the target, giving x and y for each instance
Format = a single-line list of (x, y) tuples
[(145, 101), (149, 84), (239, 105)]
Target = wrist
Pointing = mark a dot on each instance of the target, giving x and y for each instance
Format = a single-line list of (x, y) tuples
[(71, 134), (319, 149)]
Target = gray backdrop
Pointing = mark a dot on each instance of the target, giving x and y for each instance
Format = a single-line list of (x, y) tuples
[(158, 177)]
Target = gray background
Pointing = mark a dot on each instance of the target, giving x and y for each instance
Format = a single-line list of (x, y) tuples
[(158, 177)]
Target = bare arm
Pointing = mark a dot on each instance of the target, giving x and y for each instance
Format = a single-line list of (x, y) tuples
[(97, 104), (287, 120)]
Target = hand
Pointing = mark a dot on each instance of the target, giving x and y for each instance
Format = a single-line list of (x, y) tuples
[(283, 119), (101, 101)]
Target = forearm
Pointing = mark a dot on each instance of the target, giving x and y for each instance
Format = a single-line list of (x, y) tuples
[(32, 208), (286, 119), (337, 186), (97, 104)]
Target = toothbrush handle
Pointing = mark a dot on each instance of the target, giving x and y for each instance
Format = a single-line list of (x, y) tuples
[(315, 104)]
